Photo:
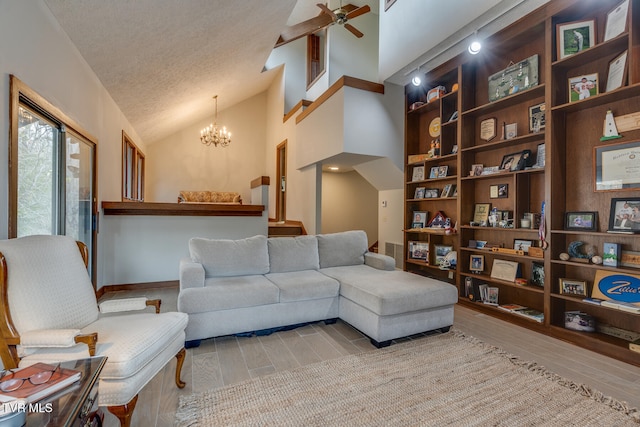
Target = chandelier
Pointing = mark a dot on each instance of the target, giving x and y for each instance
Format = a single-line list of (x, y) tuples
[(213, 135)]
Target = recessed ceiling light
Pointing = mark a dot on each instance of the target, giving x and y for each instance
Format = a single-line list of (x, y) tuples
[(334, 168)]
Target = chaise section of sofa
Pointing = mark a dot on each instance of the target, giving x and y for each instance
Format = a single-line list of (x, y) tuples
[(248, 285)]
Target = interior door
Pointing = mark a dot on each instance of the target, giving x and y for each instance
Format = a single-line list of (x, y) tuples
[(281, 178)]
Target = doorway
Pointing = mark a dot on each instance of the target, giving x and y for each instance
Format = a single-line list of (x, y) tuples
[(281, 178)]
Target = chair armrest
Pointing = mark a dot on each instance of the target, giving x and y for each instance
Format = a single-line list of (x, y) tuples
[(128, 304), (379, 261), (191, 274), (58, 338)]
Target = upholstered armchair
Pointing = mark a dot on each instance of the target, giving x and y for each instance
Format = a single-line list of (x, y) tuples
[(49, 313)]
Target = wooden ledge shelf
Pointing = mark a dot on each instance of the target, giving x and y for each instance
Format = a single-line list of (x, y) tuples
[(180, 209)]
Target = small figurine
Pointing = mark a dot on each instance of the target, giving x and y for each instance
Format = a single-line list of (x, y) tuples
[(610, 129)]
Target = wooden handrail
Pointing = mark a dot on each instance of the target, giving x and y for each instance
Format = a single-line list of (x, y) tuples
[(259, 181), (180, 209), (303, 103), (342, 82)]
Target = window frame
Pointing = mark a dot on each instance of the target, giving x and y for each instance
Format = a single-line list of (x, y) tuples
[(316, 54), (133, 176)]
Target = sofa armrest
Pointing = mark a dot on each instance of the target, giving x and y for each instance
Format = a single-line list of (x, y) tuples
[(379, 261), (119, 305), (191, 274), (49, 338)]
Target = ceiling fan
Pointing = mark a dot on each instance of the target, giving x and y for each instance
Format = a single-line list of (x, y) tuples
[(328, 17)]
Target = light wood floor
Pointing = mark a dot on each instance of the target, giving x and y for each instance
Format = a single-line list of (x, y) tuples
[(229, 360)]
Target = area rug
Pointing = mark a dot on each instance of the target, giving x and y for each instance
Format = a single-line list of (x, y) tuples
[(444, 379)]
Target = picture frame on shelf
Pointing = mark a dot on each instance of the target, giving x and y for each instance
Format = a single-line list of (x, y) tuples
[(416, 225), (418, 173), (540, 156), (537, 273), (522, 245), (431, 193), (481, 213), (573, 287), (419, 193), (583, 87), (503, 269), (615, 166), (499, 191), (443, 171), (454, 149), (611, 253), (510, 130), (476, 170), (418, 250), (510, 162), (624, 215), (581, 221), (575, 37), (420, 217), (446, 190), (441, 252), (617, 75), (433, 173), (616, 22), (476, 263), (537, 120)]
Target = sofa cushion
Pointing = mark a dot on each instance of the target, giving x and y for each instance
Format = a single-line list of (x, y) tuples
[(338, 249), (226, 293), (391, 292), (304, 285), (222, 258), (293, 254)]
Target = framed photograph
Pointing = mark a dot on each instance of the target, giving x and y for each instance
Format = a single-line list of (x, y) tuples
[(441, 251), (419, 194), (446, 191), (481, 213), (431, 193), (454, 149), (434, 172), (442, 171), (624, 216), (510, 162), (510, 130), (537, 273), (537, 117), (419, 217), (616, 21), (488, 129), (573, 287), (617, 75), (419, 250), (574, 37), (616, 166), (476, 263), (476, 170), (418, 173), (522, 245), (630, 259), (581, 221), (582, 87)]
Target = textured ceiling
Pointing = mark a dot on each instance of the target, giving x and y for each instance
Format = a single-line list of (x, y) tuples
[(163, 60)]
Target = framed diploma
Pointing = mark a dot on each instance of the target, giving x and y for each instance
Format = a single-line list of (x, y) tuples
[(617, 72), (616, 166), (488, 129), (505, 270), (616, 21)]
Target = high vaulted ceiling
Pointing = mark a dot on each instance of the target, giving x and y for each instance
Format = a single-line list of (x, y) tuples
[(162, 61)]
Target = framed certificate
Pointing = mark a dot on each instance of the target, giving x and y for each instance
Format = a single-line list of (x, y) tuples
[(488, 129), (616, 21), (616, 166), (505, 270), (617, 72)]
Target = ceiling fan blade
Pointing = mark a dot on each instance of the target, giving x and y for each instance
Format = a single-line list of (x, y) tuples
[(354, 30), (326, 10), (304, 28), (359, 11)]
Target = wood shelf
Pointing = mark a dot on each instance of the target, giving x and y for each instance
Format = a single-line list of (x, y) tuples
[(504, 103)]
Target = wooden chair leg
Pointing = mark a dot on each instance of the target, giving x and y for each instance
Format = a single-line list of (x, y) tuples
[(180, 357), (124, 412)]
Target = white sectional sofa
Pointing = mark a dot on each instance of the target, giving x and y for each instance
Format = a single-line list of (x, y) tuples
[(256, 284)]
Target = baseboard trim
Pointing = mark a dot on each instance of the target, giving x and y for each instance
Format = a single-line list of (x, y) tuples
[(169, 284)]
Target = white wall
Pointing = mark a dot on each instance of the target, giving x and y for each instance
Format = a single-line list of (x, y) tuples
[(349, 202), (352, 56), (39, 53), (391, 222), (293, 55), (181, 162)]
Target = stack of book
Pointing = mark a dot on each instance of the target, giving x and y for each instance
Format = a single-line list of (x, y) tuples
[(527, 312)]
